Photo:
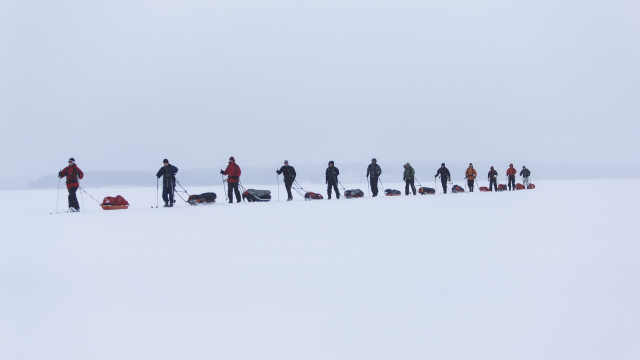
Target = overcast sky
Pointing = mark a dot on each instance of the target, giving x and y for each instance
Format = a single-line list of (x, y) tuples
[(124, 84)]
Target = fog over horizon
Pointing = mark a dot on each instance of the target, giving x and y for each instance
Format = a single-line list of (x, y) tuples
[(120, 86)]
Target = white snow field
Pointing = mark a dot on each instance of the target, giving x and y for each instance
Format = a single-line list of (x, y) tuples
[(550, 273)]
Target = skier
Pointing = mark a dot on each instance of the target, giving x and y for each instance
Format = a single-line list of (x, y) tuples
[(471, 174), (511, 177), (289, 177), (409, 177), (168, 173), (233, 171), (331, 179), (493, 179), (525, 173), (373, 173), (73, 173), (445, 176)]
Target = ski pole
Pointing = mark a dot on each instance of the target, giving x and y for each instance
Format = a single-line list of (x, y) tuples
[(278, 184), (223, 189), (82, 199), (418, 181), (368, 187), (157, 191), (58, 196)]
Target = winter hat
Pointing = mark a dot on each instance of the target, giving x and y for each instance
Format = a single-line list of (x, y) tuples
[(510, 165), (407, 164), (72, 159), (232, 159), (165, 161), (470, 164), (374, 159), (331, 162), (523, 167), (492, 168), (286, 161), (442, 164)]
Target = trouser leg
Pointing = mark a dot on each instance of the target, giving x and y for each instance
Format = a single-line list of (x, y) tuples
[(73, 200), (236, 190), (230, 191), (493, 184), (444, 186), (329, 190), (470, 183), (406, 187), (287, 185), (512, 182), (374, 186), (335, 188)]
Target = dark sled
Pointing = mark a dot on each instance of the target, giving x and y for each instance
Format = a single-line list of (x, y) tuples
[(252, 195), (202, 199), (354, 193), (457, 189), (114, 203), (391, 192), (312, 196), (426, 190), (531, 186)]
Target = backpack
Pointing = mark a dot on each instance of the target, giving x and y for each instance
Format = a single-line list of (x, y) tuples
[(457, 189), (354, 193), (426, 190), (484, 188), (202, 199), (520, 187), (531, 186), (312, 196), (391, 192)]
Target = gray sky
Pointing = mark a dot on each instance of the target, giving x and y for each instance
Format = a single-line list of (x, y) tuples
[(124, 84)]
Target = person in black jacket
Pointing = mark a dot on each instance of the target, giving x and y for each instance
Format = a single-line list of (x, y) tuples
[(445, 176), (168, 173), (332, 179), (493, 179), (289, 177), (525, 173), (373, 173)]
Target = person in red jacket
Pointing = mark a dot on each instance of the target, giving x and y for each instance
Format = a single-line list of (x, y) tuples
[(73, 173), (233, 171), (511, 176)]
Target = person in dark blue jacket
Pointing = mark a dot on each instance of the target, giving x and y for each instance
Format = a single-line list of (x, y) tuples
[(331, 179), (168, 173), (289, 175), (373, 173), (445, 176)]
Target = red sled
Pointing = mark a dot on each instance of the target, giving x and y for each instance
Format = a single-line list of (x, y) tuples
[(114, 203), (531, 186), (502, 187), (312, 196), (520, 187), (484, 189)]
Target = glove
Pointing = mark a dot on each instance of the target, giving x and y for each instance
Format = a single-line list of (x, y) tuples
[(222, 172), (404, 179)]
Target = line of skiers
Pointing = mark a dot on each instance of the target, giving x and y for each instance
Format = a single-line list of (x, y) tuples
[(168, 174)]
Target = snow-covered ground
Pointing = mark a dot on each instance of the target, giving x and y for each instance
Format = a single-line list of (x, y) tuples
[(550, 273)]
